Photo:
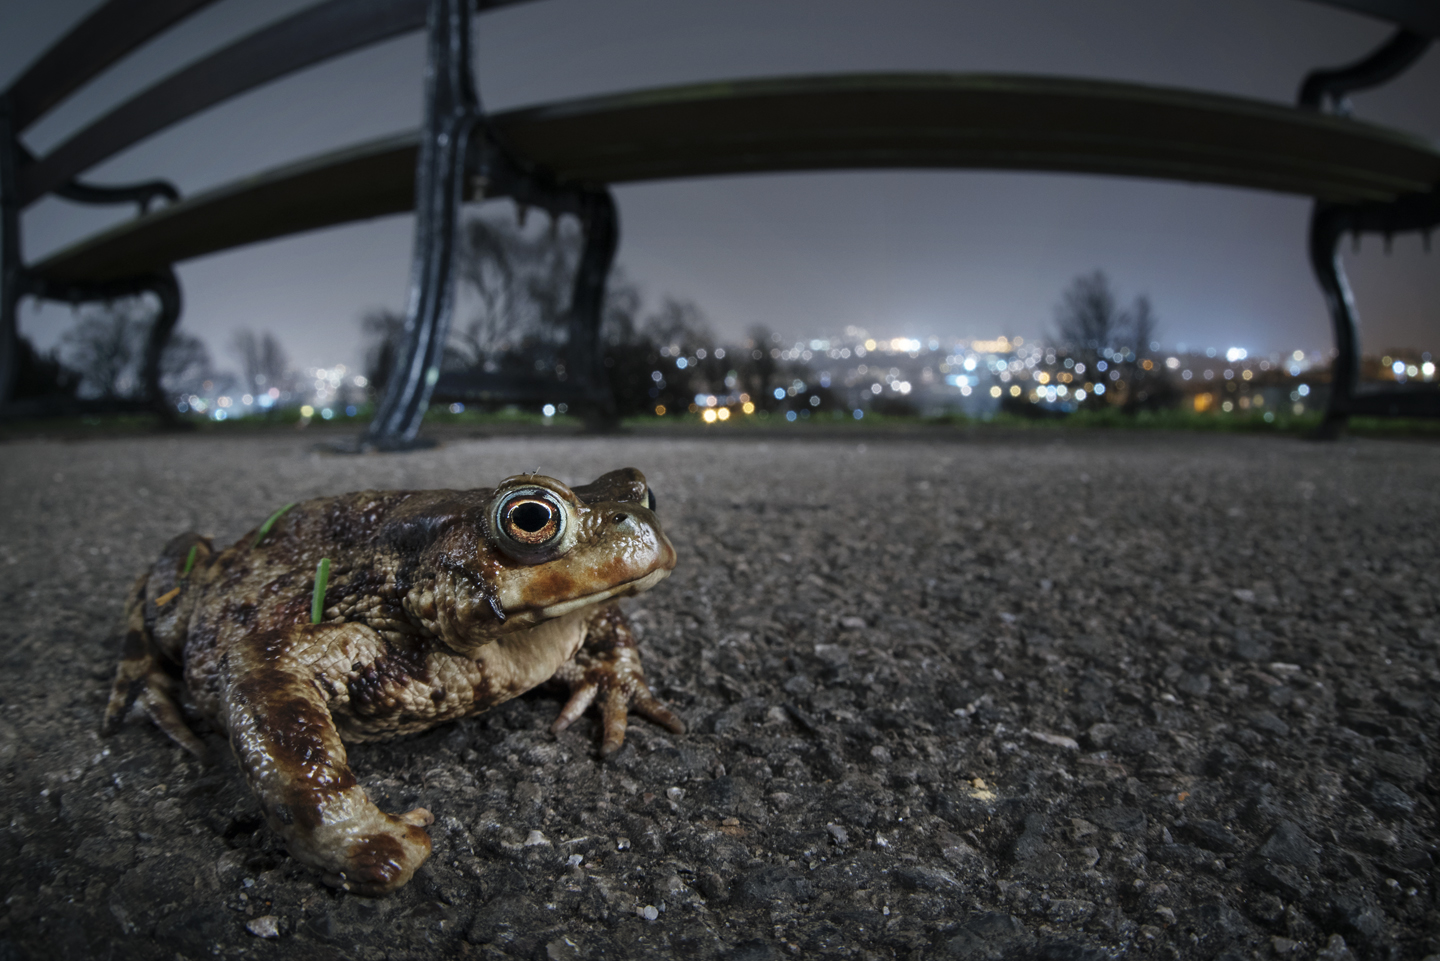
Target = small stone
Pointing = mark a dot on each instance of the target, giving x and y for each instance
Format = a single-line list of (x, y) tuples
[(990, 935), (265, 926), (649, 912), (920, 878), (1210, 835), (853, 623), (1126, 820), (1281, 878), (1404, 768), (563, 949), (1359, 918), (1335, 950), (1248, 648), (1289, 845), (837, 832), (1100, 735), (1055, 740), (1196, 685), (1387, 800), (1069, 910), (1267, 908), (1267, 723), (1140, 740)]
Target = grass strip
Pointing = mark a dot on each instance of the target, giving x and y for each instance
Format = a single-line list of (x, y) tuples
[(190, 560), (317, 601), (269, 523), (167, 597)]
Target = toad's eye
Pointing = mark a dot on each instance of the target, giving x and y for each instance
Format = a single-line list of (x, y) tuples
[(532, 520)]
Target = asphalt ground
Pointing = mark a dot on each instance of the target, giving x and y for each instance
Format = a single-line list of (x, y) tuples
[(1062, 696)]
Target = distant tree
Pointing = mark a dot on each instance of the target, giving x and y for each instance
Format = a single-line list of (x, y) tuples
[(679, 324), (631, 357), (624, 302), (1112, 342), (1088, 318), (522, 280), (756, 369), (106, 345), (384, 332), (264, 362), (42, 375), (185, 366), (1142, 327), (106, 348)]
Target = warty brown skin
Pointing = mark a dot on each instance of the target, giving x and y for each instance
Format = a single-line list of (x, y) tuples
[(433, 611)]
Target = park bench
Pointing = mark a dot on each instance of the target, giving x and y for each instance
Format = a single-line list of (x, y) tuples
[(563, 157)]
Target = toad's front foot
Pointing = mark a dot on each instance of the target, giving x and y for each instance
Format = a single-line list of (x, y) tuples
[(373, 854), (607, 670)]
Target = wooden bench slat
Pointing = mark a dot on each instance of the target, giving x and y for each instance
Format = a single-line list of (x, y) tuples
[(309, 37), (813, 123), (97, 42)]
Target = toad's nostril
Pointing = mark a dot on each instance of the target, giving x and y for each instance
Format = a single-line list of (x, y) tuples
[(621, 518)]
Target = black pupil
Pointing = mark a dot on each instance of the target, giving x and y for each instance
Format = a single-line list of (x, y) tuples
[(530, 516)]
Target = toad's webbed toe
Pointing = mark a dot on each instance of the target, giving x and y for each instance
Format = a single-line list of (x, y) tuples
[(606, 670)]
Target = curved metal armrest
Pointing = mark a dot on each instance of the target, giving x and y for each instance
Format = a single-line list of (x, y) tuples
[(142, 194), (1387, 62)]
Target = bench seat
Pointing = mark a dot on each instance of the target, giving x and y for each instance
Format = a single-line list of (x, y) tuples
[(844, 122)]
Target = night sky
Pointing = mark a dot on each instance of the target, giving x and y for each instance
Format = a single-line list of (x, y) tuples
[(948, 254)]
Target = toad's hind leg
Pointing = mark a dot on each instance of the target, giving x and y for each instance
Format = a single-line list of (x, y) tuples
[(141, 675), (277, 710)]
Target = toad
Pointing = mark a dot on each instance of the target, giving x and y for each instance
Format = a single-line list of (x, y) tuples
[(381, 613)]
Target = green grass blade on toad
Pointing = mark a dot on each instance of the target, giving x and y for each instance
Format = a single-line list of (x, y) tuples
[(269, 523), (317, 601)]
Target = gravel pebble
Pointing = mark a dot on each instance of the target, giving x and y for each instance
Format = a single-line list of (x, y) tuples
[(265, 926)]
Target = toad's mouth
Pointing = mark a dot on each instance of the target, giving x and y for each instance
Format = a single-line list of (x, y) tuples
[(628, 589)]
